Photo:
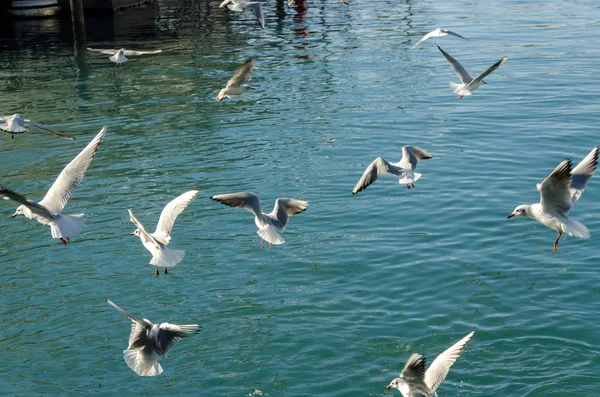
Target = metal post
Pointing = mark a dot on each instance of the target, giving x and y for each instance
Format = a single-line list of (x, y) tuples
[(77, 12)]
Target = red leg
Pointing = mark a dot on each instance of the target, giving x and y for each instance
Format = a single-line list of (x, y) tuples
[(556, 242), (63, 241), (460, 97), (270, 246), (407, 186), (413, 185), (166, 272), (157, 273), (262, 244)]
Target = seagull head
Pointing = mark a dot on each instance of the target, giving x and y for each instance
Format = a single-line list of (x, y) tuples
[(395, 384), (521, 210), (136, 232), (19, 211)]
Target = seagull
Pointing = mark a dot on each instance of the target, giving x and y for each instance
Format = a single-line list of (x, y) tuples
[(148, 342), (437, 33), (468, 83), (404, 169), (414, 381), (558, 192), (234, 86), (16, 125), (157, 242), (241, 5), (269, 225), (48, 211), (118, 56)]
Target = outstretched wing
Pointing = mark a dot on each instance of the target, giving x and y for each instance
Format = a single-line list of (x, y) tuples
[(223, 4), (107, 51), (257, 8), (246, 200), (411, 155), (378, 167), (422, 39), (582, 173), (286, 207), (139, 328), (130, 53), (44, 128), (437, 371), (169, 214), (169, 334), (489, 70), (32, 205), (414, 373), (555, 195), (242, 74), (454, 34), (462, 74), (71, 176)]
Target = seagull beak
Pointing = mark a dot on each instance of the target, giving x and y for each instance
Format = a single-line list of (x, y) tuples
[(388, 387), (249, 88), (132, 234), (511, 215), (15, 214)]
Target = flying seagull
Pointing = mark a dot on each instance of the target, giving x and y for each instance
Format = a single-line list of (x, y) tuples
[(414, 381), (269, 225), (148, 342), (558, 192), (437, 33), (468, 83), (234, 86), (241, 5), (404, 169), (118, 56), (48, 211), (157, 242), (16, 125)]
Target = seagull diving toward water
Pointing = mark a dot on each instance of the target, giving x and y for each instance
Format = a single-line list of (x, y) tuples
[(16, 125), (118, 56), (437, 33), (404, 169), (558, 192), (157, 242), (148, 342), (48, 211), (468, 83), (241, 5), (414, 381), (234, 86), (269, 225)]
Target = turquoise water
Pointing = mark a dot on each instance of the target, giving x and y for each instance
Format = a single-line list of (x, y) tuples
[(362, 281)]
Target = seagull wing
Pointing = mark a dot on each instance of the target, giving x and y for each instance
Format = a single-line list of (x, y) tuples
[(32, 205), (422, 39), (169, 214), (257, 8), (139, 329), (454, 34), (286, 207), (242, 74), (411, 155), (246, 200), (223, 4), (489, 70), (582, 173), (108, 51), (437, 371), (169, 334), (44, 128), (140, 227), (378, 167), (414, 374), (71, 176), (555, 196), (131, 53), (462, 74)]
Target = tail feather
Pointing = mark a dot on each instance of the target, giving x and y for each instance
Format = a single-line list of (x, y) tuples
[(270, 235), (408, 179), (143, 366), (576, 229), (459, 89), (67, 226), (167, 257)]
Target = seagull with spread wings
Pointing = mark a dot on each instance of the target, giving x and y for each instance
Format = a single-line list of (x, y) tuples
[(16, 125), (558, 192), (241, 5), (148, 342), (119, 56), (157, 242), (468, 84), (439, 32), (269, 225), (234, 86), (48, 211), (404, 169), (414, 381)]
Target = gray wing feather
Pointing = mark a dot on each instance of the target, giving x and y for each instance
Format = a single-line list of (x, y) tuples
[(139, 329), (438, 370), (488, 71), (71, 176), (242, 73), (170, 213), (169, 334), (44, 128), (378, 167), (130, 53), (457, 67), (257, 8), (454, 34), (554, 190), (414, 374), (582, 173), (107, 51), (246, 200), (411, 155), (32, 205), (286, 207)]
